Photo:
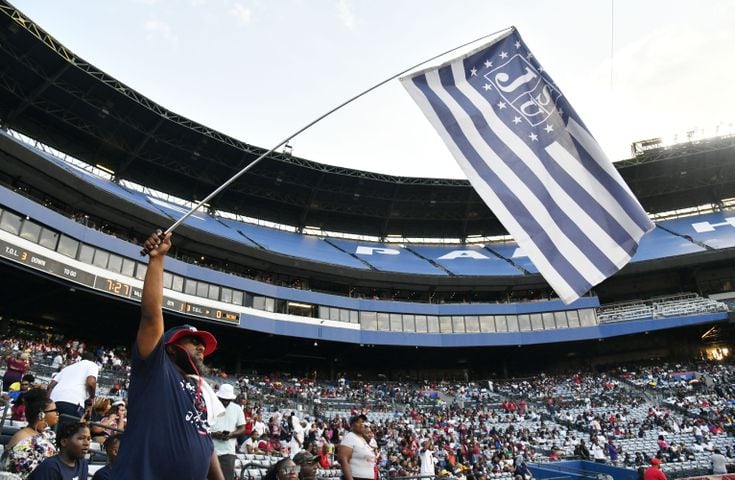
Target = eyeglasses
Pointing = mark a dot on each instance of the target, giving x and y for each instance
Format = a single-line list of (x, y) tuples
[(290, 470), (53, 410)]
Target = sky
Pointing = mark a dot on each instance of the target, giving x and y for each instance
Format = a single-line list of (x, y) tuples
[(259, 70)]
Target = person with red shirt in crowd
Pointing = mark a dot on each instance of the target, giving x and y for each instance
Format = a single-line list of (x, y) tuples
[(654, 472), (325, 459), (17, 366)]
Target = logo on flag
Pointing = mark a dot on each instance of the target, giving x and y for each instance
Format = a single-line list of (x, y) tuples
[(529, 94), (532, 160)]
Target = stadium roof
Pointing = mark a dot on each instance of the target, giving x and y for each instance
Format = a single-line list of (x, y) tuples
[(50, 94)]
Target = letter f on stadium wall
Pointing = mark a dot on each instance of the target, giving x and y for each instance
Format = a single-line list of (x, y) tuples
[(533, 162)]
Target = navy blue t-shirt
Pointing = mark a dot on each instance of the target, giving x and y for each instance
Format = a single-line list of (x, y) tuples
[(167, 434), (54, 469), (104, 473)]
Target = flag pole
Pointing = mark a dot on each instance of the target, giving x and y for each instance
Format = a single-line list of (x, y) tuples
[(219, 189)]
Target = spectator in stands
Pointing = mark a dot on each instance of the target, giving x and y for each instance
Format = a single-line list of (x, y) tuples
[(57, 362), (654, 472), (226, 430), (100, 407), (325, 457), (598, 454), (171, 407), (18, 408), (296, 443), (16, 366), (354, 454), (718, 462), (114, 417), (427, 459), (581, 451), (521, 472), (71, 387), (308, 464), (258, 424), (612, 452), (73, 441), (284, 469), (112, 446), (32, 444), (253, 444)]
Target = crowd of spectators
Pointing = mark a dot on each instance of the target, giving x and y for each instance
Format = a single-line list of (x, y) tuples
[(675, 414)]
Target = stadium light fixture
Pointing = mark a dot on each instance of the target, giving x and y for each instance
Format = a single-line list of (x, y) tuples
[(105, 169)]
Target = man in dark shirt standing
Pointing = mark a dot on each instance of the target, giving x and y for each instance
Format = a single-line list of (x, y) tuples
[(170, 406), (581, 451)]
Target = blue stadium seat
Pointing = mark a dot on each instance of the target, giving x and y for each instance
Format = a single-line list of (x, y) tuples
[(295, 245), (200, 220)]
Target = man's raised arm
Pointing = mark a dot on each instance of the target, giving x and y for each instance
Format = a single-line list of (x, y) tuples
[(150, 329)]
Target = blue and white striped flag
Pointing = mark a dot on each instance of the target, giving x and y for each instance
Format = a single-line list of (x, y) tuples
[(533, 162)]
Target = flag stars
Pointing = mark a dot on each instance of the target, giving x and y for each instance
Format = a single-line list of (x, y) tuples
[(517, 120), (533, 137), (560, 110), (549, 128), (501, 105), (503, 54), (473, 72), (488, 64), (529, 56), (487, 87), (517, 44)]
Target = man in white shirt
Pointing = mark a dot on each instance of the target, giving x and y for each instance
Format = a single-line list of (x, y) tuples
[(719, 463), (71, 387), (259, 426), (252, 444), (598, 454), (427, 459), (226, 430), (57, 362), (296, 442)]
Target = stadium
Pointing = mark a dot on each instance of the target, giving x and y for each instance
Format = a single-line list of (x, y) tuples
[(325, 272)]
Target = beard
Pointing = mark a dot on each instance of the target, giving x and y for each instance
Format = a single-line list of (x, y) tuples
[(184, 361)]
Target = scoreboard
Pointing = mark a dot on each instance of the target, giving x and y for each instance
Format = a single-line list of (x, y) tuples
[(108, 285)]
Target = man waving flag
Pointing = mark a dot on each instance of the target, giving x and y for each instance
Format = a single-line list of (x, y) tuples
[(532, 160)]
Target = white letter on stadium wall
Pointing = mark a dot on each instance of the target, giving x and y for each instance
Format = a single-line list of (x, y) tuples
[(370, 250), (463, 254)]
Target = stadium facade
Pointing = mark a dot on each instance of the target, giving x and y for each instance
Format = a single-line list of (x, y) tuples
[(89, 166)]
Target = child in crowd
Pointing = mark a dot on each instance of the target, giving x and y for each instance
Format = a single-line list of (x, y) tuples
[(69, 464), (112, 446)]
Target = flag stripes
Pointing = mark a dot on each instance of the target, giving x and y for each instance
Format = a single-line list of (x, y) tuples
[(562, 200)]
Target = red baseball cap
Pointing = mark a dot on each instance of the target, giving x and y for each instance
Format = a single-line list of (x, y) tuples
[(174, 334), (655, 461)]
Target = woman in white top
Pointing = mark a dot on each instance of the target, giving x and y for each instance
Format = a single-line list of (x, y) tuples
[(354, 454)]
